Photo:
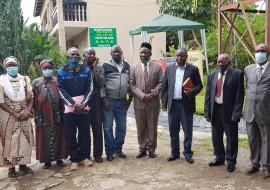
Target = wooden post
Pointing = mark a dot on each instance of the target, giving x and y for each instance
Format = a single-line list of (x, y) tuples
[(267, 23)]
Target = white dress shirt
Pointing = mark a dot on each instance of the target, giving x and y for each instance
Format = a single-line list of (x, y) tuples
[(178, 86), (147, 67)]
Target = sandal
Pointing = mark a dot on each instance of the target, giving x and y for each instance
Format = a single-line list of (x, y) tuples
[(12, 173)]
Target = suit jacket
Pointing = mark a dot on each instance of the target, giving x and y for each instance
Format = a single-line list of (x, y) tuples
[(139, 89), (169, 83), (233, 94), (257, 104)]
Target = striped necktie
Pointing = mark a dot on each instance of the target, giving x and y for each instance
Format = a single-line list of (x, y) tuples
[(259, 73)]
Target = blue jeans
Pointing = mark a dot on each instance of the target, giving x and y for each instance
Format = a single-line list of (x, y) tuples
[(114, 144)]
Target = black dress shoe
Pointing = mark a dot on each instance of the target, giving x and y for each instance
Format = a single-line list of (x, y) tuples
[(120, 155), (251, 170), (190, 160), (215, 162), (141, 154), (152, 154), (12, 172), (47, 165), (110, 157), (172, 158), (230, 167), (98, 159), (60, 163)]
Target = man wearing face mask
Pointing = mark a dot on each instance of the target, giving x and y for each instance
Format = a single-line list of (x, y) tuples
[(75, 88), (257, 111), (145, 83), (223, 108)]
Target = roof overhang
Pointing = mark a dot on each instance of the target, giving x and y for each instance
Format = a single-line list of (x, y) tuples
[(38, 7)]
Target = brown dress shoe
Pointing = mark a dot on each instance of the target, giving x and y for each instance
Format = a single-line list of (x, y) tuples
[(265, 174), (251, 170)]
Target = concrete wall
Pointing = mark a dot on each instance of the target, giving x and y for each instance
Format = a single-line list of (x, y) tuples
[(81, 40), (125, 15)]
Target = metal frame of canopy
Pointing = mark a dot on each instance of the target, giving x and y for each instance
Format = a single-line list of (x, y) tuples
[(181, 42)]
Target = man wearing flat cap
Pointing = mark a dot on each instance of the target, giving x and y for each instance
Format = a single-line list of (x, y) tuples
[(145, 83)]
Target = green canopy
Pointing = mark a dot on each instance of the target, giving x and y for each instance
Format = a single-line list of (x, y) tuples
[(164, 23)]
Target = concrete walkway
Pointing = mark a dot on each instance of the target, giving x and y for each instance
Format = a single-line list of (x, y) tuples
[(145, 173)]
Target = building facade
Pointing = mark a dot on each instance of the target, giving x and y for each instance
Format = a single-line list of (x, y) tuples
[(68, 21)]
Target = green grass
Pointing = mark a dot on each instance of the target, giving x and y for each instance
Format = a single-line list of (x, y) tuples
[(206, 144), (200, 98)]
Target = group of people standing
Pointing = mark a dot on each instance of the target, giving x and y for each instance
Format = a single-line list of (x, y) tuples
[(85, 95)]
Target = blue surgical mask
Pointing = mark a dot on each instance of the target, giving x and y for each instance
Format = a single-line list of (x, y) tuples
[(261, 57), (47, 73), (71, 63), (12, 71)]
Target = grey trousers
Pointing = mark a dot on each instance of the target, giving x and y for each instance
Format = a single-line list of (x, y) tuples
[(259, 142)]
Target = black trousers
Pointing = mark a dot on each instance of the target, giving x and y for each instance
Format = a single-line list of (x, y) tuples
[(96, 116), (78, 145), (219, 126), (178, 116)]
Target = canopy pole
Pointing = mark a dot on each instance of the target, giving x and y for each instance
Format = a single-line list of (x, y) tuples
[(144, 36), (180, 39), (203, 36), (132, 48)]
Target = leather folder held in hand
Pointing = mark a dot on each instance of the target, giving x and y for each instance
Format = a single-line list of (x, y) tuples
[(188, 83)]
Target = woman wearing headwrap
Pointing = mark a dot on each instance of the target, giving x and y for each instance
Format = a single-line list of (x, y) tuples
[(50, 141), (15, 125)]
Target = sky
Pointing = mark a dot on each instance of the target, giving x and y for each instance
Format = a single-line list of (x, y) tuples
[(27, 9)]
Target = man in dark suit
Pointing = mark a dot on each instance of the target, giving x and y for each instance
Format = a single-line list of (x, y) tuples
[(257, 111), (180, 102), (223, 108)]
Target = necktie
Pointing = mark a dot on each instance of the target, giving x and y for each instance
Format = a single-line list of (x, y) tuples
[(259, 73), (145, 73), (219, 86)]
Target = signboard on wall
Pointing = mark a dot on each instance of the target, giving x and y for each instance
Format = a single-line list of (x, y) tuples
[(102, 37)]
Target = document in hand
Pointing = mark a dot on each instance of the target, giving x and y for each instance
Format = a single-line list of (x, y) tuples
[(188, 84)]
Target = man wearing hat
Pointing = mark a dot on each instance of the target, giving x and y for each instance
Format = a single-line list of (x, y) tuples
[(145, 83)]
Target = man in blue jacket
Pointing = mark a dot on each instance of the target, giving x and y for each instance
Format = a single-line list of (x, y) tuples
[(75, 88)]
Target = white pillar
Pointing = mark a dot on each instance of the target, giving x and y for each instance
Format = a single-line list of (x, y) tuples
[(181, 39), (144, 36), (203, 36)]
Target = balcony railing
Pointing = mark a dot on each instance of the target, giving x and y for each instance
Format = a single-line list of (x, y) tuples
[(54, 17), (75, 11)]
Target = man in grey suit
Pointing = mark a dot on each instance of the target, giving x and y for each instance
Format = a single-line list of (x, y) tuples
[(180, 102), (257, 111), (145, 83)]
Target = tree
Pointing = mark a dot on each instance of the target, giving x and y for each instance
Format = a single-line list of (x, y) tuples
[(11, 27), (37, 45), (27, 43), (196, 10)]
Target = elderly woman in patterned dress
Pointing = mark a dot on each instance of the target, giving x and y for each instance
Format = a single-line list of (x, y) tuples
[(15, 125), (50, 140)]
